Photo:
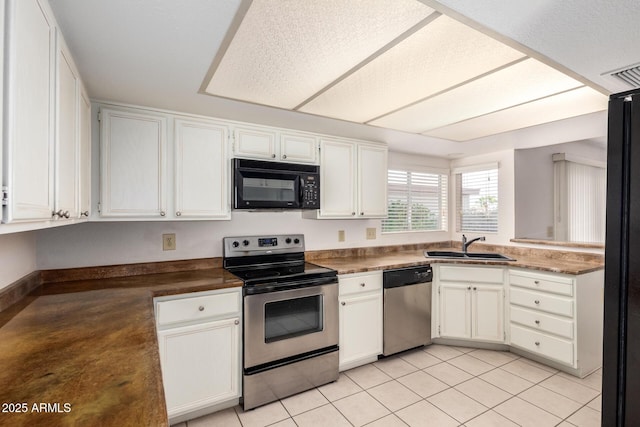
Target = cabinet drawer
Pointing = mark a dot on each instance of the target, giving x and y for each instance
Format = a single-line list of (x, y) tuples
[(541, 301), (542, 282), (542, 322), (471, 274), (542, 344), (358, 283), (197, 307)]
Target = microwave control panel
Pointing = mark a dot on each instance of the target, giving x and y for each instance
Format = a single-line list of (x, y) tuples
[(310, 191)]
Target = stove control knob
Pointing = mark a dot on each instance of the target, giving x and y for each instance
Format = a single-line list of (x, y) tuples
[(296, 241), (245, 243), (235, 244), (288, 240)]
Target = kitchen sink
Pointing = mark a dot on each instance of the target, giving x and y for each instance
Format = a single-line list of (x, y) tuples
[(488, 256)]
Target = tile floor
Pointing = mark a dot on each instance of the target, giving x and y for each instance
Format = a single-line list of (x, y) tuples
[(437, 386)]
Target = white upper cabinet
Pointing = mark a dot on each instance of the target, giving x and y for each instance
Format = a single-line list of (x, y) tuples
[(201, 170), (264, 143), (133, 147), (337, 179), (372, 180), (157, 165), (254, 143), (67, 133), (84, 164), (298, 148), (44, 126), (353, 180), (29, 111)]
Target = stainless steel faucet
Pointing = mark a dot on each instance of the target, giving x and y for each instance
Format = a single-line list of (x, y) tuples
[(466, 244)]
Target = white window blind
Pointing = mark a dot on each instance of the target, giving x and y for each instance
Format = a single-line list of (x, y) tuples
[(416, 201), (580, 201), (477, 201)]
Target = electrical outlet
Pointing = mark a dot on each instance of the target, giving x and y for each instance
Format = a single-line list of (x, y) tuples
[(371, 233), (340, 235), (169, 242), (550, 231)]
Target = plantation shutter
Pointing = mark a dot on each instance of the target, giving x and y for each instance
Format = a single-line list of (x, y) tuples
[(477, 200)]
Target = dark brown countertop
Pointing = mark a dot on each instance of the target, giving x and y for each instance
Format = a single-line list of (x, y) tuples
[(91, 344), (548, 261)]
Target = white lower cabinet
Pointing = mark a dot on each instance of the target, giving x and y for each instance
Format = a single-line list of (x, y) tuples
[(199, 338), (360, 318), (471, 303), (558, 318)]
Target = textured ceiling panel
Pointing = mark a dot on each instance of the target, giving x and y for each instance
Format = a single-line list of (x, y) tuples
[(443, 54), (287, 50), (513, 85), (569, 104)]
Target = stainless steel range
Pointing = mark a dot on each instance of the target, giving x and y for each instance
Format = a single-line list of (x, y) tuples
[(290, 317)]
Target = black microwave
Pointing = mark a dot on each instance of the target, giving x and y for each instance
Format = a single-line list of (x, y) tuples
[(273, 185)]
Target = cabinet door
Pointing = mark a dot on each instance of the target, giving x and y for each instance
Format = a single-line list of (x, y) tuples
[(372, 181), (337, 179), (298, 148), (455, 310), (487, 312), (30, 162), (66, 155), (201, 174), (360, 329), (200, 365), (133, 164), (84, 197), (254, 143)]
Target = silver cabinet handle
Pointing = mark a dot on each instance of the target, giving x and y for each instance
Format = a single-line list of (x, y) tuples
[(66, 214), (284, 156), (537, 343), (537, 302), (201, 308), (468, 288), (273, 156), (537, 282), (162, 213), (475, 289), (237, 322), (361, 213), (85, 213), (363, 284), (343, 303), (353, 213), (537, 322), (178, 213), (54, 214)]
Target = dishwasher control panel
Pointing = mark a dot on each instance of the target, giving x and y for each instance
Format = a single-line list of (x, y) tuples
[(407, 276)]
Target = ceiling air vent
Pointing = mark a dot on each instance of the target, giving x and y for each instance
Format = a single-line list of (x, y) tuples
[(629, 75)]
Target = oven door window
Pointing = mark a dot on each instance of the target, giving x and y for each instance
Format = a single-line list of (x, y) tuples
[(292, 318)]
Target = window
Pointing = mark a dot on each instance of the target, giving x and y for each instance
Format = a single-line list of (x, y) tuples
[(416, 201), (580, 199), (477, 200)]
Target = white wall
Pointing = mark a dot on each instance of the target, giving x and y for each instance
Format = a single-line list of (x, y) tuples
[(17, 256), (107, 243), (506, 192), (534, 185)]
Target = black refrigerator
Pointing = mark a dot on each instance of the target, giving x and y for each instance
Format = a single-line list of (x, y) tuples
[(621, 345)]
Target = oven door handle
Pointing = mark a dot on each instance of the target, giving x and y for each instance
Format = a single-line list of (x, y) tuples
[(289, 286)]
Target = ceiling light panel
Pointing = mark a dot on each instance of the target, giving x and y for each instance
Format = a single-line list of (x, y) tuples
[(444, 53), (573, 103), (285, 51), (516, 84)]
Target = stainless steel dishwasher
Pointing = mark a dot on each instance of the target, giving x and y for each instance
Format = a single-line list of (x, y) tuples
[(407, 308)]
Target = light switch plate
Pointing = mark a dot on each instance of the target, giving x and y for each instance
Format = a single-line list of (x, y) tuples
[(340, 235), (371, 233)]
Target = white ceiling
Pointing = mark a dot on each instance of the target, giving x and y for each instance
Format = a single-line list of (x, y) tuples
[(157, 53)]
